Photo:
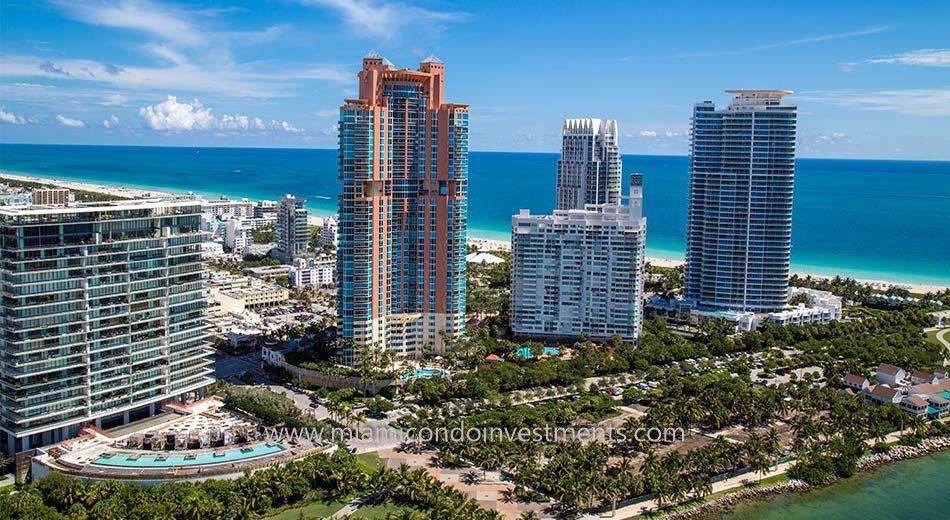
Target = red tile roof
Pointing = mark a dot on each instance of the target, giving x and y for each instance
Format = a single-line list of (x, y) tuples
[(888, 369)]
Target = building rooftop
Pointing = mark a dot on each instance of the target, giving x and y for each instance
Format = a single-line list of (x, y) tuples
[(432, 59), (91, 207), (891, 370), (855, 379), (883, 391)]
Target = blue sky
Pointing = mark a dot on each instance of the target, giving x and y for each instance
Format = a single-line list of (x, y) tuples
[(872, 79)]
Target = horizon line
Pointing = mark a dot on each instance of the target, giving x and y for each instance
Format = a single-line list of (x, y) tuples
[(475, 151)]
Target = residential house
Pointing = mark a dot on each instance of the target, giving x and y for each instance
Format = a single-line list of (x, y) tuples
[(855, 381), (923, 378), (890, 375), (914, 404), (881, 394)]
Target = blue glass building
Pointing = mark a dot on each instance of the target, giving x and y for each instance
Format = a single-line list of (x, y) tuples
[(739, 228)]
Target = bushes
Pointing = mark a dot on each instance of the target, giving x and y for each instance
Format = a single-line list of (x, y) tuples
[(315, 477), (270, 407)]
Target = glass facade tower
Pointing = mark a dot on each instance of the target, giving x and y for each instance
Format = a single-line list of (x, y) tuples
[(739, 228), (103, 315), (403, 164)]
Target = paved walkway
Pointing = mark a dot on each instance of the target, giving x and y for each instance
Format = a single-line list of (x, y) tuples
[(651, 505), (485, 488)]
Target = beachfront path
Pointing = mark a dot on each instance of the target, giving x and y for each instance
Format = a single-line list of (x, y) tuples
[(651, 505)]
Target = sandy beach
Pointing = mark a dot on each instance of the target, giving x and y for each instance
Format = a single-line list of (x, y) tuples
[(131, 193), (484, 244)]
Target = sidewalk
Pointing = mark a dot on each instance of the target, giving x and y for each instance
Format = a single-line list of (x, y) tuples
[(730, 483)]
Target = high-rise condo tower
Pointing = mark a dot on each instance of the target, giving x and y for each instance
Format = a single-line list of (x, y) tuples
[(739, 230), (103, 315), (589, 170), (293, 231), (403, 164)]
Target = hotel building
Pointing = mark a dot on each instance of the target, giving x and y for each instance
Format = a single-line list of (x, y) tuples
[(103, 315), (739, 229), (589, 170), (580, 270), (403, 163), (293, 231)]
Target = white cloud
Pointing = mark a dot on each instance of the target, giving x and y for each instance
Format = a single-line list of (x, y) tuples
[(237, 122), (647, 133), (918, 102), (110, 121), (138, 15), (749, 49), (11, 118), (285, 126), (331, 130), (115, 100), (68, 121), (172, 115), (386, 19), (228, 80), (918, 58), (328, 112), (672, 134)]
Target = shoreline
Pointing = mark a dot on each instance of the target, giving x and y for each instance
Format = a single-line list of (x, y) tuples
[(725, 504), (480, 242)]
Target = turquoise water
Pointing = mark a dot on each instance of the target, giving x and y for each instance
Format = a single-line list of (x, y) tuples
[(871, 219), (526, 351), (150, 461), (425, 373), (912, 489)]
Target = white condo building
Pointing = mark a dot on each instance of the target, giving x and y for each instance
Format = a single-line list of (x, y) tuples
[(238, 232), (312, 272), (328, 234), (580, 270), (589, 170)]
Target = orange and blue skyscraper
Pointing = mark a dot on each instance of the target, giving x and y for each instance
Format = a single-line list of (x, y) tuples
[(403, 164)]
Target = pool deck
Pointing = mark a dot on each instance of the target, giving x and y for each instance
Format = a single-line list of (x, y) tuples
[(88, 456)]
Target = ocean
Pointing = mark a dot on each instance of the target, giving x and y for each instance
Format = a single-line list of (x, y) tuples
[(884, 220), (915, 488)]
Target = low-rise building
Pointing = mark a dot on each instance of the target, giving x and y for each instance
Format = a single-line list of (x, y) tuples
[(228, 208), (890, 375), (801, 315), (914, 404), (855, 381), (881, 394), (921, 378), (268, 272), (15, 198), (684, 311), (247, 293), (312, 272)]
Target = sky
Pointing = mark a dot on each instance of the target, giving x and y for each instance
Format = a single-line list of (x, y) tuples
[(871, 79)]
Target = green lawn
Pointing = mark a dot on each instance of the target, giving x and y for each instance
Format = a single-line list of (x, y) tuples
[(314, 510), (370, 462), (932, 336), (380, 511)]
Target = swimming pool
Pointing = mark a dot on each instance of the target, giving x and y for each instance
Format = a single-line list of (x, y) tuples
[(426, 373), (526, 351), (127, 460)]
